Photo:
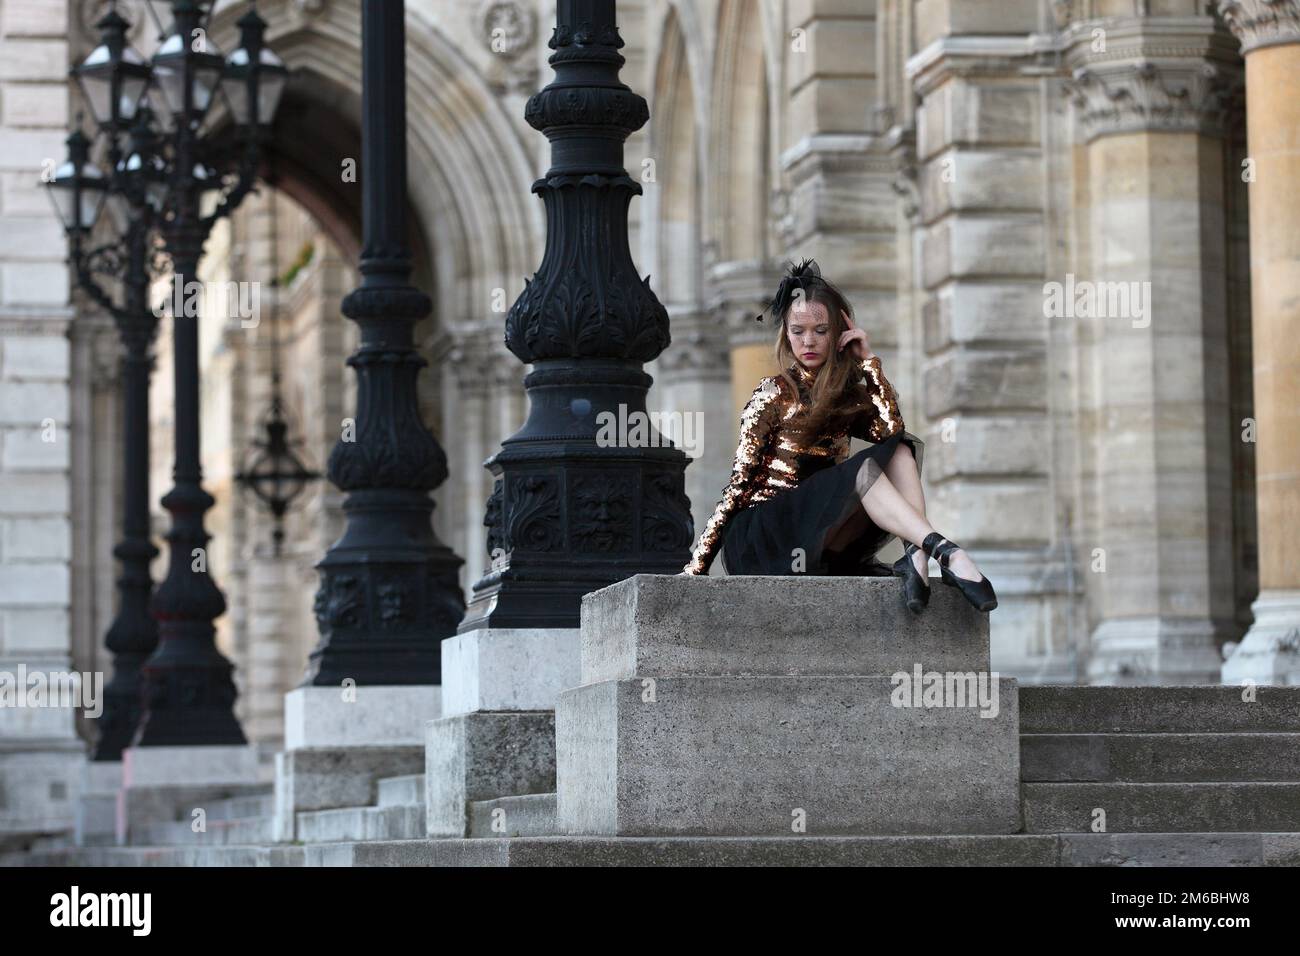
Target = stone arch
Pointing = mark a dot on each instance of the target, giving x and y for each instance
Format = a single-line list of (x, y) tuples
[(468, 170)]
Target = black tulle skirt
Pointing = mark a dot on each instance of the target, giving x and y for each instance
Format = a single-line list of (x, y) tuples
[(787, 534)]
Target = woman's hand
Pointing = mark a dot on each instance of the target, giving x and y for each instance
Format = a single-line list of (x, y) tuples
[(855, 335)]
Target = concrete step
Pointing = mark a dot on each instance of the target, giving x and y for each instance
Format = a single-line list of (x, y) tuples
[(530, 815), (1159, 758), (403, 791), (244, 832), (361, 824), (1067, 709), (1065, 849), (1161, 807), (1087, 849), (244, 807), (228, 856)]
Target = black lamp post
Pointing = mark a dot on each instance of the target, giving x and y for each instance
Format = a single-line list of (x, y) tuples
[(156, 192), (189, 692), (389, 592), (571, 514), (78, 190)]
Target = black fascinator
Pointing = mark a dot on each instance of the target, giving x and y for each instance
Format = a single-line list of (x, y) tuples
[(799, 276)]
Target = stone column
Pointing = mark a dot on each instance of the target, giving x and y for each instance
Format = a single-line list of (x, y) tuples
[(1152, 306), (986, 402), (1269, 31)]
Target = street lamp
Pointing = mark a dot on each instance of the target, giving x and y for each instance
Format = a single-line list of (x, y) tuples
[(170, 684)]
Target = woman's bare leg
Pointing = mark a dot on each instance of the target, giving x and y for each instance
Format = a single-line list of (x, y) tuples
[(887, 507), (903, 473)]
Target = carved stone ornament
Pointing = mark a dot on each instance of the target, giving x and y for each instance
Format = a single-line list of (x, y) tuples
[(1259, 23), (507, 27), (1145, 96)]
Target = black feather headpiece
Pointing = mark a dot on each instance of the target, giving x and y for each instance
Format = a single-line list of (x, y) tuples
[(796, 277)]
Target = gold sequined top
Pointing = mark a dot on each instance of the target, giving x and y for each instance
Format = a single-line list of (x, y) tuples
[(771, 458)]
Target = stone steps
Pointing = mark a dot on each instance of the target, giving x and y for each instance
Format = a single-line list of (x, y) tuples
[(1064, 849), (1161, 807), (348, 824), (243, 808), (224, 856), (240, 832), (1160, 757), (406, 791), (523, 816), (1068, 709)]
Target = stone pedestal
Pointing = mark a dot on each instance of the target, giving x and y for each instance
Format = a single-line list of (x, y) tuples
[(508, 669), (159, 781), (497, 738), (1270, 651), (339, 742), (778, 706), (389, 715)]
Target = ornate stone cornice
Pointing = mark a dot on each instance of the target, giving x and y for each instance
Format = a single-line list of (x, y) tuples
[(1258, 23), (1151, 73), (738, 292), (1145, 96)]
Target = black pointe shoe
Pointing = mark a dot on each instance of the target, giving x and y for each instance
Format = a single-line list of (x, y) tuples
[(916, 589), (978, 593)]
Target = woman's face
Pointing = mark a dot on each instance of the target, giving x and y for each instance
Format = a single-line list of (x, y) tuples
[(808, 330)]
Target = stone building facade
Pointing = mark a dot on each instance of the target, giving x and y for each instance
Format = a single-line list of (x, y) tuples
[(1067, 225)]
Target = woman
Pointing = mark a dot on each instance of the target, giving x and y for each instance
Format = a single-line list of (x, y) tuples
[(796, 502)]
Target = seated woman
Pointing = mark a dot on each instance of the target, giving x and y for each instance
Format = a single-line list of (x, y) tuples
[(796, 502)]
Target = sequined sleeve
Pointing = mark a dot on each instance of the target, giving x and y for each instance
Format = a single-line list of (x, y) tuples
[(757, 422), (882, 419)]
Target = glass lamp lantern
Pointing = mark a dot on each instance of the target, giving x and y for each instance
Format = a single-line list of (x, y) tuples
[(77, 188), (114, 77), (188, 55), (255, 77)]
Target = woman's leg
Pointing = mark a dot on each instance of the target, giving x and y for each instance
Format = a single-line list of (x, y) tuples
[(902, 472), (887, 507)]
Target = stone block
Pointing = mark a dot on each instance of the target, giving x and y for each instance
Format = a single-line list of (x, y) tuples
[(34, 18), (35, 283), (324, 778), (985, 381), (482, 756), (377, 716), (774, 756), (35, 494), (39, 539), (508, 669), (38, 787), (25, 449), (33, 584), (667, 626), (35, 60), (980, 313), (188, 766)]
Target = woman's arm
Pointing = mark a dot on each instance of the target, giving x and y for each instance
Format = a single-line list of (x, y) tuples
[(881, 419), (757, 422)]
